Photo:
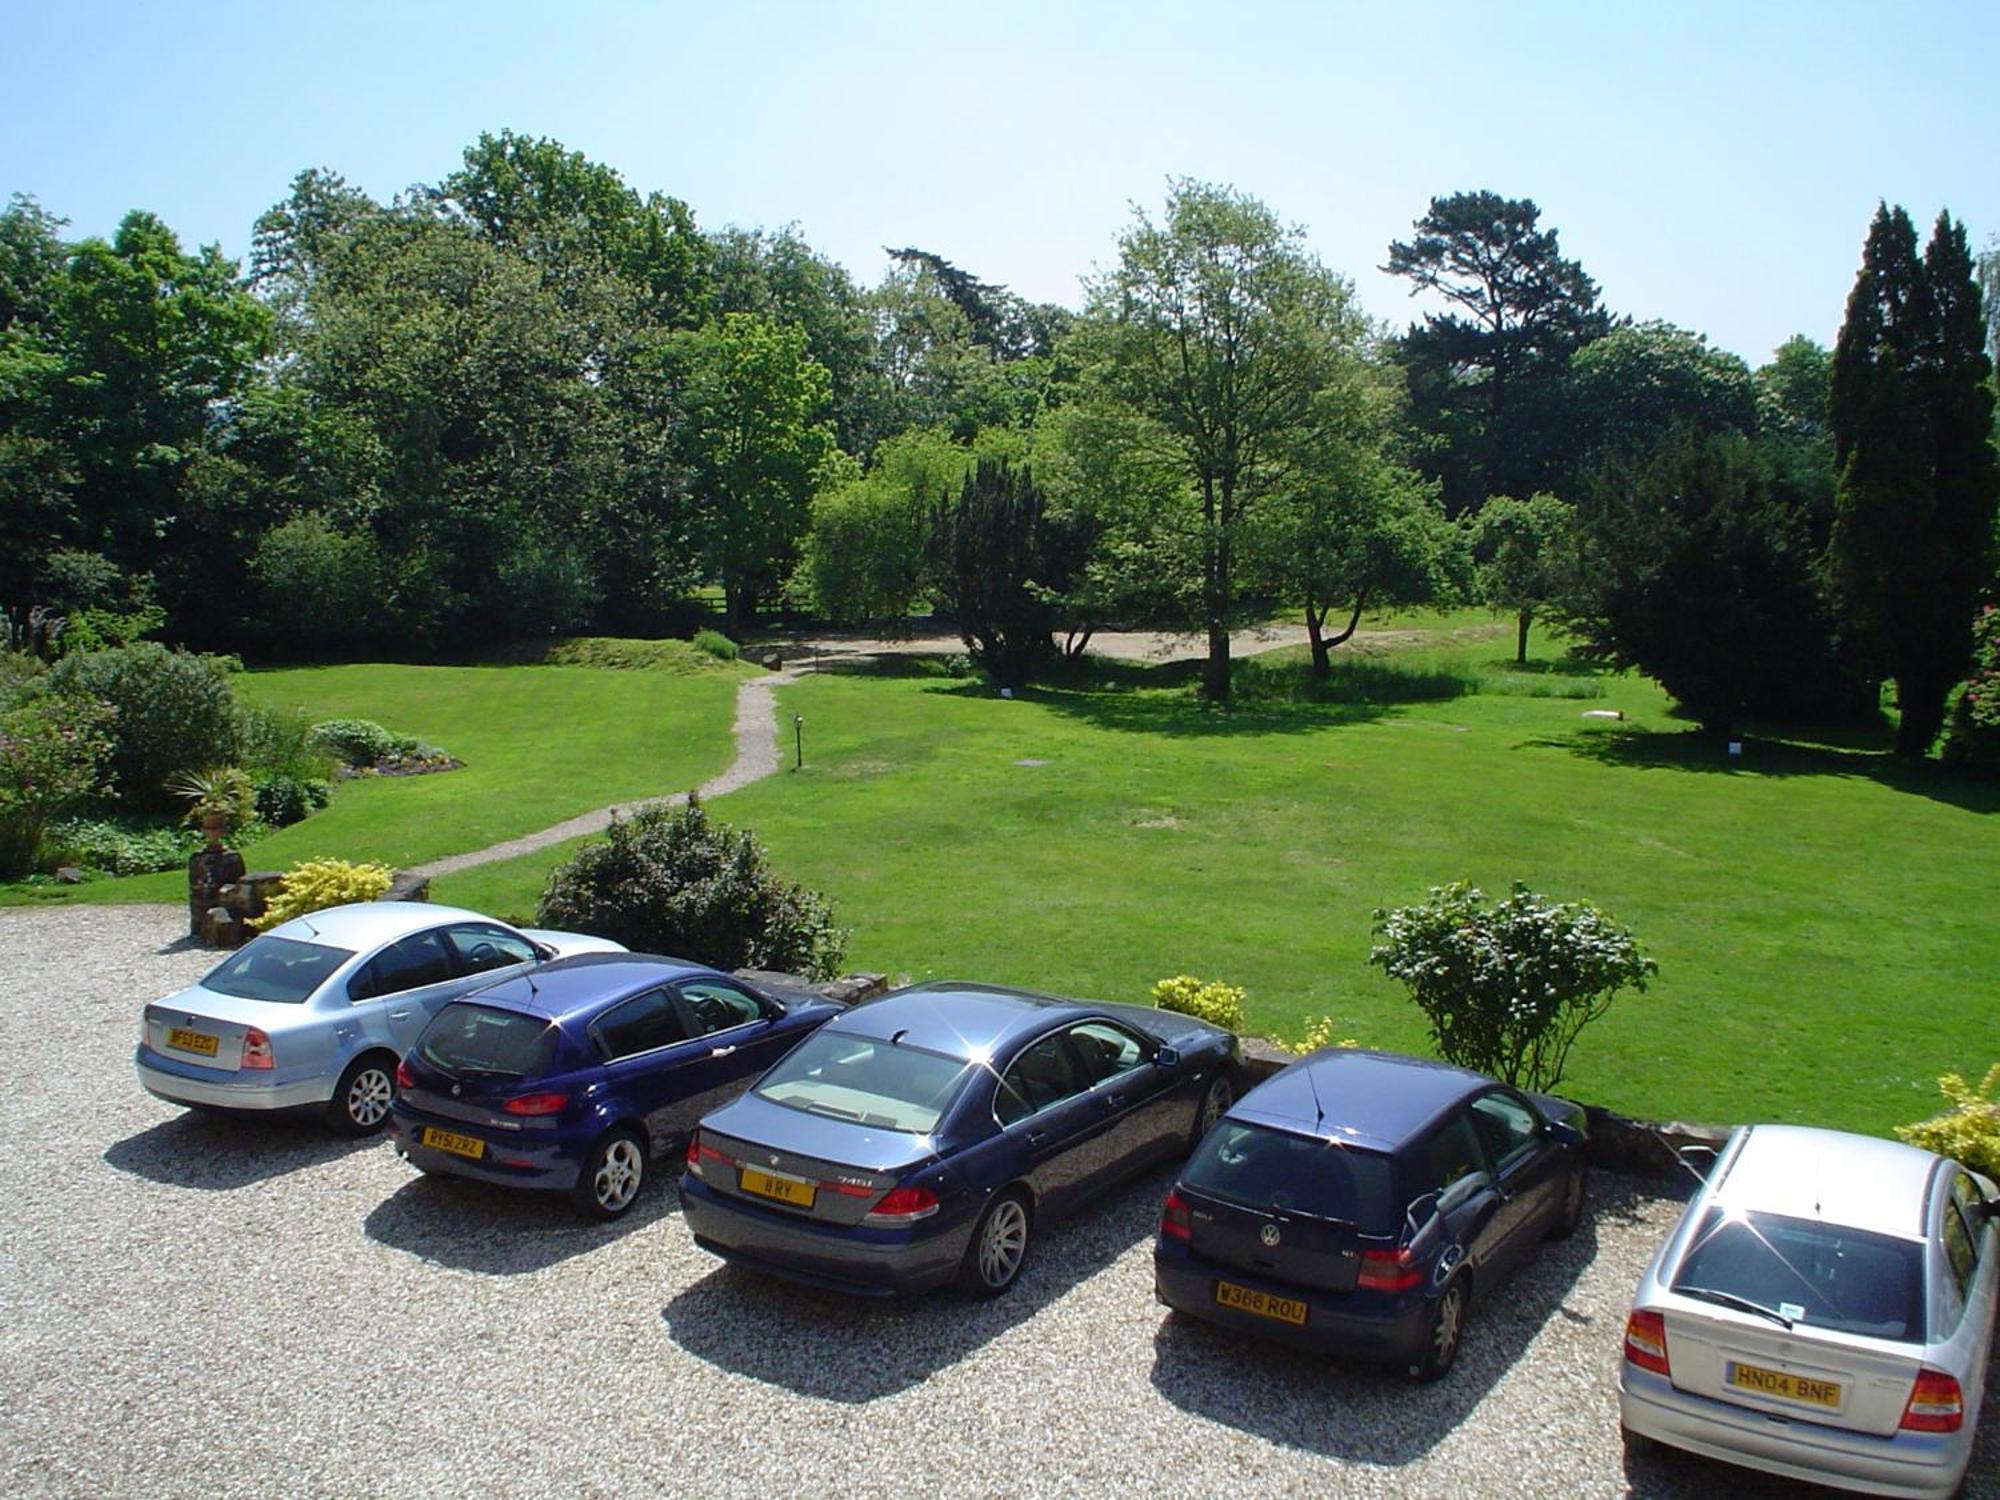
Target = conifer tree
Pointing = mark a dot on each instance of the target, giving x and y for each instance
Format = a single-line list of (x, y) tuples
[(1913, 515)]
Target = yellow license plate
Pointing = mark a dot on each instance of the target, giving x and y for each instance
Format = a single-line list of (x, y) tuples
[(192, 1041), (470, 1146), (1263, 1304), (1801, 1388), (790, 1190)]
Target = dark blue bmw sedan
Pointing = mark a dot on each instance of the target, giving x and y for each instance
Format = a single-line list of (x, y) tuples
[(579, 1075), (921, 1138), (1358, 1201)]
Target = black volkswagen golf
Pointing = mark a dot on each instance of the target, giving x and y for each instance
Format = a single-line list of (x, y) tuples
[(1357, 1201)]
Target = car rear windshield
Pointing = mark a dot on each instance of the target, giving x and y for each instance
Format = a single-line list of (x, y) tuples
[(1258, 1168), (1823, 1275), (483, 1041), (275, 968), (871, 1082)]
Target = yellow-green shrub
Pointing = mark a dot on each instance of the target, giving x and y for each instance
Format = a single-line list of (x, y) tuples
[(320, 883), (1217, 1003), (1970, 1131), (1320, 1034)]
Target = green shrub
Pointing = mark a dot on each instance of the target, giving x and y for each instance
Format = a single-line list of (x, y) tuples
[(174, 712), (319, 883), (1970, 1131), (1217, 1003), (52, 755), (283, 798), (668, 880), (360, 742), (1507, 989), (684, 658), (1972, 732), (21, 676), (716, 644), (274, 740), (120, 846)]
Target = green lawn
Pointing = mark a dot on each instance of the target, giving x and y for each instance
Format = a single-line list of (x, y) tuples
[(1822, 917), (540, 744)]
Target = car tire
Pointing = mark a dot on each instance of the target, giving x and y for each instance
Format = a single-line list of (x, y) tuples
[(360, 1102), (1444, 1331), (612, 1175), (999, 1246), (1575, 1191), (1215, 1102)]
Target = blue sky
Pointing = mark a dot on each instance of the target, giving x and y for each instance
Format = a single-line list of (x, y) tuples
[(1711, 164)]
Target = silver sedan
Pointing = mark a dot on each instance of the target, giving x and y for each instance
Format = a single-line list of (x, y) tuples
[(1824, 1310), (317, 1011)]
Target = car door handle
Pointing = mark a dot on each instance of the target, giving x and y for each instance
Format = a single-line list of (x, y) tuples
[(1036, 1137), (399, 1015), (720, 1051), (1116, 1101)]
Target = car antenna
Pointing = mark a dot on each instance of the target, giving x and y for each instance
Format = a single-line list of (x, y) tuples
[(896, 1037), (1319, 1111)]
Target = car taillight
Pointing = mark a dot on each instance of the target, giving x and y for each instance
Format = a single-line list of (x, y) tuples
[(699, 1153), (405, 1079), (1388, 1271), (1174, 1221), (1646, 1341), (902, 1205), (1936, 1404), (535, 1104), (256, 1049)]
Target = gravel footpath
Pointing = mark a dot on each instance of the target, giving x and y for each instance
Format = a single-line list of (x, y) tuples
[(757, 756), (195, 1306)]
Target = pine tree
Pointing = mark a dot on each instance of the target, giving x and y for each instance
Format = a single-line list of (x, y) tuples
[(1914, 511)]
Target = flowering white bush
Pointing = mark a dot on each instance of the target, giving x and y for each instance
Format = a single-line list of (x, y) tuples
[(1507, 988)]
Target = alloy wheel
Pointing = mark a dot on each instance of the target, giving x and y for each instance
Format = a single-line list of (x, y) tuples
[(619, 1170), (1003, 1244), (368, 1095)]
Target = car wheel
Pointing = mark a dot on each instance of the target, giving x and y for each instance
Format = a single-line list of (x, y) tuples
[(360, 1103), (1444, 1333), (1571, 1214), (612, 1175), (1215, 1102), (999, 1247)]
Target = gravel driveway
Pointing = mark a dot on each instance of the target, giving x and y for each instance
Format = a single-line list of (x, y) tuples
[(192, 1306)]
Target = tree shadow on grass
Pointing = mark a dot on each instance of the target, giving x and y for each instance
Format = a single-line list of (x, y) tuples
[(1696, 752), (500, 1231), (1269, 697), (855, 1349), (1284, 1395)]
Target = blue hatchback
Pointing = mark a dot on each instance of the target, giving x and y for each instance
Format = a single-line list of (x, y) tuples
[(1356, 1201), (922, 1137), (579, 1075)]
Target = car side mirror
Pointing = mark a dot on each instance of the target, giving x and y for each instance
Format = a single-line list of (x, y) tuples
[(1564, 1134), (1989, 1210), (1167, 1057)]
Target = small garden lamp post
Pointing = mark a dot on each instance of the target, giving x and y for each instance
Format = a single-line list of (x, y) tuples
[(799, 741)]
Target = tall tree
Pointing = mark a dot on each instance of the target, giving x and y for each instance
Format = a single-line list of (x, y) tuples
[(1517, 547), (1484, 375), (997, 556), (759, 444), (1217, 331), (1912, 416), (1626, 389)]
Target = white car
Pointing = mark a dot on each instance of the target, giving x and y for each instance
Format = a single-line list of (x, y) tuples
[(317, 1011), (1824, 1310)]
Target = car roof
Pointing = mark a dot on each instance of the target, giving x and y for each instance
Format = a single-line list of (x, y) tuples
[(367, 924), (1861, 1181), (1349, 1094), (586, 983), (959, 1019)]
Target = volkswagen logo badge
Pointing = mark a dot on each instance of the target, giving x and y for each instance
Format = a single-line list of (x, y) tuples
[(1268, 1234), (455, 1091), (774, 1158)]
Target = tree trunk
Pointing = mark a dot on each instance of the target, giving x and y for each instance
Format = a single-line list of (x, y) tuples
[(1215, 594), (1322, 663), (1920, 715), (1521, 639)]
